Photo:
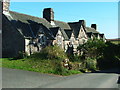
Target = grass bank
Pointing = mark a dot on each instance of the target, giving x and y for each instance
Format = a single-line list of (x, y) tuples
[(42, 66)]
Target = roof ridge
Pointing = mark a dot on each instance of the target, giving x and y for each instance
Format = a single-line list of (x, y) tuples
[(90, 28), (27, 15), (73, 22), (60, 21), (54, 27)]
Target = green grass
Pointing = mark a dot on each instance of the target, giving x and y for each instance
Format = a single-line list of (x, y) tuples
[(31, 64), (0, 62), (115, 42)]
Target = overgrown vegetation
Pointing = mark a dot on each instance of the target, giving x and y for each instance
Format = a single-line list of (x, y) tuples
[(97, 54), (111, 56), (50, 52), (49, 60), (93, 55)]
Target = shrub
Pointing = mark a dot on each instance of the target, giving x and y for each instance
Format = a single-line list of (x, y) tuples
[(91, 64), (111, 55), (93, 48), (57, 67), (21, 55), (91, 51), (50, 52)]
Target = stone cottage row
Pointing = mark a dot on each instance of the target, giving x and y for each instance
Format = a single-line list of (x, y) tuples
[(25, 33)]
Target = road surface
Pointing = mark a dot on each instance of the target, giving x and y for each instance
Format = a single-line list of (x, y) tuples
[(12, 78)]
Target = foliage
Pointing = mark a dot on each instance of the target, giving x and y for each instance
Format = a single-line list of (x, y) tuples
[(90, 52), (94, 54), (91, 64), (43, 66), (21, 55), (115, 42), (92, 48), (106, 55), (0, 62), (111, 56), (50, 52), (49, 60), (58, 68)]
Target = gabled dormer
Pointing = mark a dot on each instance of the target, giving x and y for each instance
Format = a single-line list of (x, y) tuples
[(82, 36)]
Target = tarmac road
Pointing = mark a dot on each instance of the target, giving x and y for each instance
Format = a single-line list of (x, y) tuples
[(12, 78)]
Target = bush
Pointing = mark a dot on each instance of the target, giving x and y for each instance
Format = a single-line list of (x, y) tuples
[(93, 48), (50, 52), (58, 68), (91, 51), (21, 55), (91, 64), (111, 55)]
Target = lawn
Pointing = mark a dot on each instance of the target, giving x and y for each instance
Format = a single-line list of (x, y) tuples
[(115, 42), (42, 66), (0, 62)]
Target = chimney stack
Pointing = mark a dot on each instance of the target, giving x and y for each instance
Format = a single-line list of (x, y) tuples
[(48, 14), (94, 26), (6, 4)]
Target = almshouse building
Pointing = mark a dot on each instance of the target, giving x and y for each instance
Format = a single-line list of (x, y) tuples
[(25, 33)]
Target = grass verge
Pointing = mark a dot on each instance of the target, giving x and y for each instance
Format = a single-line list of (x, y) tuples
[(42, 66)]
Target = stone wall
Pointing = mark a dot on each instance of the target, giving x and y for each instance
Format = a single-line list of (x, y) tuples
[(65, 45), (59, 40)]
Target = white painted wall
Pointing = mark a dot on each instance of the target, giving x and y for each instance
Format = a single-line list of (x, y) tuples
[(27, 48), (82, 37)]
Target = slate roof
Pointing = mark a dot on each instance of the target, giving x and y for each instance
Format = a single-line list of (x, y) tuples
[(68, 32), (24, 18), (96, 34), (55, 31), (76, 27), (89, 34), (46, 31), (62, 25), (88, 29), (64, 34), (101, 35), (28, 25)]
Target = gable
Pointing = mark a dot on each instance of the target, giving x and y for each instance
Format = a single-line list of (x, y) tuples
[(68, 32), (72, 38), (82, 33), (54, 31), (59, 33), (47, 32), (76, 27)]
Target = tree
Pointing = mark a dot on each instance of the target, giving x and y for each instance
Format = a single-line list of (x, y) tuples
[(92, 48), (91, 51)]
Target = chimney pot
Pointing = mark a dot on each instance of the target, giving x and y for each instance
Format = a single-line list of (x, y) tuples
[(94, 26)]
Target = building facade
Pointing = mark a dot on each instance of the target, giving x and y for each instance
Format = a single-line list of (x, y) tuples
[(25, 33)]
